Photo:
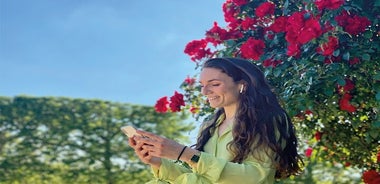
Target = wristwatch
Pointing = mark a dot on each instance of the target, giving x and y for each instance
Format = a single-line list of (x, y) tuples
[(195, 158)]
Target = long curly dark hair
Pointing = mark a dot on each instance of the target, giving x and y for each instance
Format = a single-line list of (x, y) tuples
[(261, 122)]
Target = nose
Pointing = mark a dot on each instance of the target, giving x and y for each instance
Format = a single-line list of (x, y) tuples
[(205, 90)]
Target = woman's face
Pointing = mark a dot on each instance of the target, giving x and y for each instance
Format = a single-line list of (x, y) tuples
[(219, 88)]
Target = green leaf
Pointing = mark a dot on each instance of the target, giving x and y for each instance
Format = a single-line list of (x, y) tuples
[(329, 92), (320, 58), (267, 72), (286, 6), (367, 34), (376, 76), (341, 82), (366, 57), (374, 133), (336, 53), (346, 56), (277, 73), (376, 87), (378, 96), (376, 124)]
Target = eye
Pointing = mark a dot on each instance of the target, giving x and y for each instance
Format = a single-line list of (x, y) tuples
[(216, 84)]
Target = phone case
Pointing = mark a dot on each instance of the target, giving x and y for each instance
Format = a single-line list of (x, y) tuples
[(130, 131)]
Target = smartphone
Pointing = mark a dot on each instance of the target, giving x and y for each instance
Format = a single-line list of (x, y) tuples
[(130, 131)]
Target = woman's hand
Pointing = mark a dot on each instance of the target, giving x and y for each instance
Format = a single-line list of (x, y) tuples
[(144, 154), (158, 146)]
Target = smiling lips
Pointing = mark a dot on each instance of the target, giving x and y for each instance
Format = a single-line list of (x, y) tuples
[(212, 98)]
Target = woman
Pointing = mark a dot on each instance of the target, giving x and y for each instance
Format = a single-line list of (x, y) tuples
[(250, 138)]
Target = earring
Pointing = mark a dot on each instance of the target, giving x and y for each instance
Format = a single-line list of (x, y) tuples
[(241, 89)]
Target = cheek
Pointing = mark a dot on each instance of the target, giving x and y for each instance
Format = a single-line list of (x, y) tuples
[(231, 94)]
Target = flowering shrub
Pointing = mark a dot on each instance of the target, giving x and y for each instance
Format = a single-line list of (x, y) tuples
[(322, 58), (174, 105)]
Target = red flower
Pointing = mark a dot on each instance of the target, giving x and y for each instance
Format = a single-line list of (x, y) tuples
[(267, 62), (162, 105), (176, 101), (194, 110), (240, 2), (271, 62), (318, 135), (352, 24), (308, 152), (189, 81), (270, 35), (309, 112), (279, 24), (371, 177), (312, 29), (344, 103), (216, 34), (357, 25), (347, 87), (295, 22), (302, 30), (248, 23), (235, 25), (293, 50), (230, 11), (252, 49), (327, 49), (302, 115), (332, 59), (354, 61), (264, 9), (328, 4), (196, 49)]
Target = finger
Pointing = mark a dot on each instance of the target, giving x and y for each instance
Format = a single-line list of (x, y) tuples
[(140, 145), (147, 141), (149, 148), (139, 148), (148, 134), (144, 153), (132, 142), (147, 158)]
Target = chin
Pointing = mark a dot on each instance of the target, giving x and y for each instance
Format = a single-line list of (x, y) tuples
[(215, 105)]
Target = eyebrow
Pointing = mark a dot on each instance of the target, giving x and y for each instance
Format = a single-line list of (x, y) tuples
[(211, 80)]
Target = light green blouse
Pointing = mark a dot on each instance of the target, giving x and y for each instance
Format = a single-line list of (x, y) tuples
[(214, 166)]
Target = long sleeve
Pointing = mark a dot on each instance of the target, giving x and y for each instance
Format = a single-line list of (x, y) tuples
[(215, 166), (219, 170), (169, 171)]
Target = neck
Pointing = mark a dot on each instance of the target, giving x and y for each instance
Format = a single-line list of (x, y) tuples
[(230, 113)]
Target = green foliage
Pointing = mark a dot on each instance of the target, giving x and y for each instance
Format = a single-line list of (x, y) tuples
[(63, 140)]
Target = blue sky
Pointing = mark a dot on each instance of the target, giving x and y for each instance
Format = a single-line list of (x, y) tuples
[(128, 51)]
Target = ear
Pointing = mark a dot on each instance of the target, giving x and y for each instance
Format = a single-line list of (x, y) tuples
[(243, 86)]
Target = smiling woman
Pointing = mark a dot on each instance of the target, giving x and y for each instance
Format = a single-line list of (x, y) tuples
[(249, 139)]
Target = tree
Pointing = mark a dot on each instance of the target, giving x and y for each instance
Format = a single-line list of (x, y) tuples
[(65, 140), (321, 57)]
